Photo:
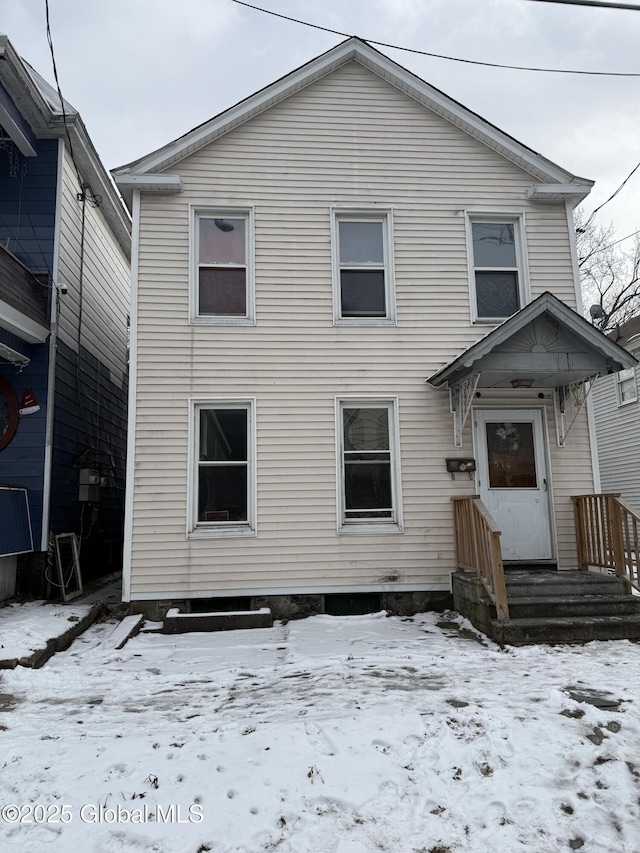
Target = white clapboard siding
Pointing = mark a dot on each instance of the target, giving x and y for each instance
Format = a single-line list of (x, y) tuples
[(348, 140), (618, 439), (105, 281)]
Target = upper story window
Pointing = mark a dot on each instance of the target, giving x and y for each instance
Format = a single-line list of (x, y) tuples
[(363, 268), (222, 266), (222, 492), (497, 266), (627, 388)]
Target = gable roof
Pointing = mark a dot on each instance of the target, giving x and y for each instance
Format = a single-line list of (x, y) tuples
[(555, 183), (546, 343)]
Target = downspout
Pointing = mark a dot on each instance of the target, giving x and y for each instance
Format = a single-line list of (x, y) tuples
[(131, 430), (591, 424), (53, 351)]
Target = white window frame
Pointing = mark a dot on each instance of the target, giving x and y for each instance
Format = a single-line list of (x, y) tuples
[(214, 529), (369, 525), (624, 376), (384, 216), (516, 219), (196, 213)]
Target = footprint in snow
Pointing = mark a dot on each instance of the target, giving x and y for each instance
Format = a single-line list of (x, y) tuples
[(318, 739)]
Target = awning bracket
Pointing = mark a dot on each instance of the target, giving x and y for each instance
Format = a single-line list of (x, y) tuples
[(568, 403), (461, 397)]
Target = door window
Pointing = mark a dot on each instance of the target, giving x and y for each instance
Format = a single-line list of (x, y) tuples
[(511, 455)]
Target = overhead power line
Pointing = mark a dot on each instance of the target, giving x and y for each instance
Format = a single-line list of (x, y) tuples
[(599, 3), (440, 55), (613, 195)]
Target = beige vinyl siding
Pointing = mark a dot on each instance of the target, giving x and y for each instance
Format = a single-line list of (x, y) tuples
[(105, 280), (348, 140), (618, 437)]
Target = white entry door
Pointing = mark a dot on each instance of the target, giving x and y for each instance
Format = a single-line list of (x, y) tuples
[(513, 480)]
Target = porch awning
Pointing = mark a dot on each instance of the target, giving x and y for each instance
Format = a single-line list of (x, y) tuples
[(544, 345)]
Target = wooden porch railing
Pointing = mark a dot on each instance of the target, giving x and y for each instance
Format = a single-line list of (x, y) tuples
[(607, 535), (478, 548)]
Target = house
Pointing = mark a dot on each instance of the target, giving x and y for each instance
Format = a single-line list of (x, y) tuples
[(303, 263), (65, 242), (616, 406)]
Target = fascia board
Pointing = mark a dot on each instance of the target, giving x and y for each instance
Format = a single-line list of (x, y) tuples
[(19, 324), (14, 123), (22, 89), (545, 303), (150, 183), (95, 174), (559, 192)]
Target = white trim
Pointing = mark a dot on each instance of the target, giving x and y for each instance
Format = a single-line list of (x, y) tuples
[(17, 134), (157, 183), (13, 356), (133, 381), (517, 219), (364, 214), (197, 530), (19, 324), (573, 246), (620, 378), (221, 212), (370, 526), (53, 351), (181, 593), (573, 193)]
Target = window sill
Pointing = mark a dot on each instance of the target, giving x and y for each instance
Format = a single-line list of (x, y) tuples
[(368, 528), (221, 532), (364, 321), (627, 403), (222, 321)]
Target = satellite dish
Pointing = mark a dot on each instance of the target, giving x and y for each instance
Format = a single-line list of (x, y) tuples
[(596, 312)]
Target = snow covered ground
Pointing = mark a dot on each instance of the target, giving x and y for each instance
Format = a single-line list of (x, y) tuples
[(328, 735)]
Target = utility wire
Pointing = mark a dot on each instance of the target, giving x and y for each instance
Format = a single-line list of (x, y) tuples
[(613, 195), (440, 55), (598, 3), (84, 187)]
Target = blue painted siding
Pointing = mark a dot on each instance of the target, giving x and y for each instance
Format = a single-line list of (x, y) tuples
[(22, 460), (89, 431), (28, 202), (15, 343)]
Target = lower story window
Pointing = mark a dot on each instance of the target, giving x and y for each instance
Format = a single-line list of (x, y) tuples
[(369, 475), (222, 490)]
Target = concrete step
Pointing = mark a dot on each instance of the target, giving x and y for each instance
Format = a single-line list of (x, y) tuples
[(176, 622), (570, 629), (526, 584), (546, 606)]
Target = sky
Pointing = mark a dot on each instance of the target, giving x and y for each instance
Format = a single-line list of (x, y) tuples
[(143, 72), (325, 735)]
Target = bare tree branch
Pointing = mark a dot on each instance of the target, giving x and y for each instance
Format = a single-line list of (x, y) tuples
[(609, 275)]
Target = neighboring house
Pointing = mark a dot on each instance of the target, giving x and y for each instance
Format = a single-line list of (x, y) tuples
[(64, 290), (303, 263), (616, 405)]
